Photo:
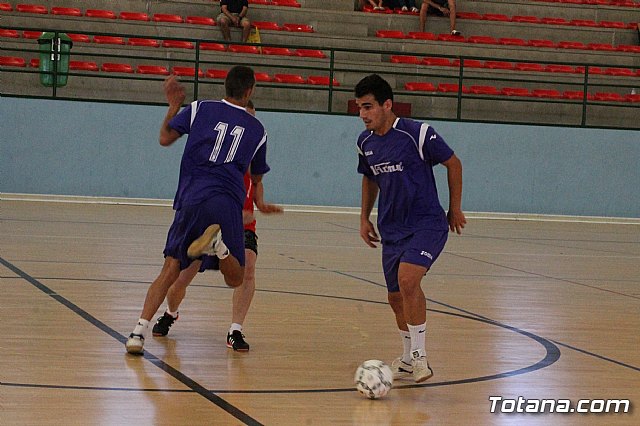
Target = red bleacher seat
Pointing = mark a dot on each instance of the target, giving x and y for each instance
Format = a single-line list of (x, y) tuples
[(420, 87), (283, 51), (468, 15), (601, 46), (266, 25), (449, 37), (452, 87), (263, 76), (100, 13), (5, 7), (32, 8), (113, 67), (34, 63), (83, 66), (529, 67), (31, 34), (468, 63), (512, 41), (9, 33), (440, 62), (200, 20), (265, 2), (554, 21), (526, 19), (166, 17), (572, 1), (541, 43), (108, 40), (632, 98), (320, 80), (212, 46), (243, 49), (401, 59), (134, 16), (592, 70), (484, 90), (613, 24), (500, 65), (482, 40), (626, 72), (515, 91), (12, 61), (152, 69), (79, 38), (289, 78), (148, 42), (571, 45), (218, 74), (608, 97), (495, 17), (179, 44), (546, 93), (560, 68), (575, 94), (186, 71), (390, 34), (628, 48), (583, 23), (310, 53), (288, 3), (298, 28), (67, 11), (418, 35)]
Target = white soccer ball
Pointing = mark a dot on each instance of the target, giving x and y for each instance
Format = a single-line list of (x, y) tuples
[(373, 379)]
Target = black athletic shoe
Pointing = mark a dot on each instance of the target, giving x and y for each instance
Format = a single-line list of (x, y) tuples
[(164, 323), (236, 341)]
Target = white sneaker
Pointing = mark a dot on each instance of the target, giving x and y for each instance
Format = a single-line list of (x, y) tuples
[(415, 10), (404, 8), (135, 344), (400, 369), (205, 243), (421, 369)]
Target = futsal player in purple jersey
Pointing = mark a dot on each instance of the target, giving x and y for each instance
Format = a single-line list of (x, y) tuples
[(224, 140), (396, 157)]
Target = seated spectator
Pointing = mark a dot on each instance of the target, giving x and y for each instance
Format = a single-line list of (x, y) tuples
[(385, 4), (439, 8), (409, 5), (233, 13)]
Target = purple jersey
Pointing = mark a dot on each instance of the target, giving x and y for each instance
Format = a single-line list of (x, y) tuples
[(401, 164), (224, 139)]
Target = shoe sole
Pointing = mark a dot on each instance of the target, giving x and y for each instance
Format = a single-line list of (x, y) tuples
[(424, 378), (135, 350), (203, 243), (159, 334), (237, 350)]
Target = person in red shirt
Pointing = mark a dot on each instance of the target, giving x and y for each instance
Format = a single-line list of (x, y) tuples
[(242, 295)]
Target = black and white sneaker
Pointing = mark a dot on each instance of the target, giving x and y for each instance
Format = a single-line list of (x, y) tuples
[(236, 341), (164, 323)]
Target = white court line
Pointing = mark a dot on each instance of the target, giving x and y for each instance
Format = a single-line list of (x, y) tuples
[(320, 209)]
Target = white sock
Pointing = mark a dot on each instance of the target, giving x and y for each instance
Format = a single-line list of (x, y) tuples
[(417, 340), (173, 314), (235, 326), (406, 346), (141, 327)]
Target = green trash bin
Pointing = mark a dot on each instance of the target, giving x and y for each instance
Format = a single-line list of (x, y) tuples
[(54, 56)]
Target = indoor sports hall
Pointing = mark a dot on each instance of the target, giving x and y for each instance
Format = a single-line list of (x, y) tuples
[(533, 312)]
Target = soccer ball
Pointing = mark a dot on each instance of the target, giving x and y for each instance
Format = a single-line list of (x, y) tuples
[(373, 379)]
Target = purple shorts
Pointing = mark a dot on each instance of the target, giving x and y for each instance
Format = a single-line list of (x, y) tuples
[(191, 221), (421, 248)]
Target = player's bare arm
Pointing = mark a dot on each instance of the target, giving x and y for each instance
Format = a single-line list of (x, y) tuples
[(455, 216), (258, 199), (174, 92), (369, 195)]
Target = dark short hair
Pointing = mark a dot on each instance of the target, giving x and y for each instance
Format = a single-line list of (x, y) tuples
[(238, 81), (375, 85), (250, 104)]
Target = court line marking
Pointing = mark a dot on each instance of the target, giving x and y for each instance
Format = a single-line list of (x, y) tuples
[(181, 377)]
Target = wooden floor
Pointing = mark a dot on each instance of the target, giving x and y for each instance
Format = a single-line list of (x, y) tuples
[(543, 310)]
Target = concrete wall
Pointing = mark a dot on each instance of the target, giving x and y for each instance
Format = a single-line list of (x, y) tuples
[(94, 149)]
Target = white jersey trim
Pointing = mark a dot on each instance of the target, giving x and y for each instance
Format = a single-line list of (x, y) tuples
[(418, 144), (194, 111), (424, 128)]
